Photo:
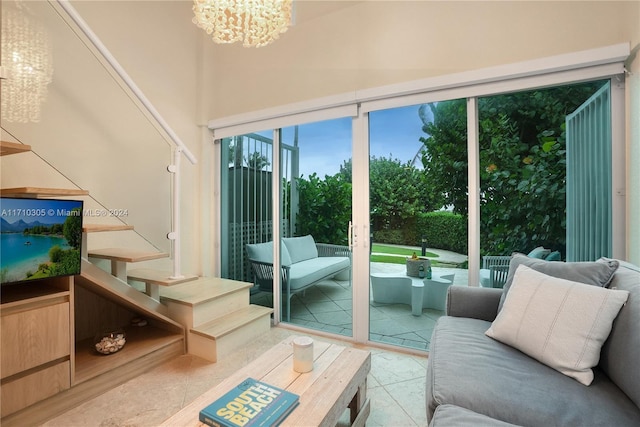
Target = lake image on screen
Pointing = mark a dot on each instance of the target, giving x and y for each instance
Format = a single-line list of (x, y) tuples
[(39, 238), (22, 254)]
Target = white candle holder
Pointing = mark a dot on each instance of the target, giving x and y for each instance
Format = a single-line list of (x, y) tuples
[(302, 354)]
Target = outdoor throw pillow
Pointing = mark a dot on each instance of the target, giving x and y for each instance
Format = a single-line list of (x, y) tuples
[(597, 273), (554, 256), (558, 322), (540, 252)]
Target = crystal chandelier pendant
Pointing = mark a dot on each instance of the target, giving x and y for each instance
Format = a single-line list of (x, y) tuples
[(255, 23), (27, 59)]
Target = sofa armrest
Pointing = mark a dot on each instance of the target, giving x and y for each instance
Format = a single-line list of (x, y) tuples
[(263, 275), (477, 303)]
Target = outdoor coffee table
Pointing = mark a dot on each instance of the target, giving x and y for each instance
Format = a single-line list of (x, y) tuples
[(392, 288), (338, 381)]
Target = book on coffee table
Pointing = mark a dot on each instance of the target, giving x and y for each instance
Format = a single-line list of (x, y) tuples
[(251, 403)]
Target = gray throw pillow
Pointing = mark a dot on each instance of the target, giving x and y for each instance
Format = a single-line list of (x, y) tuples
[(596, 273)]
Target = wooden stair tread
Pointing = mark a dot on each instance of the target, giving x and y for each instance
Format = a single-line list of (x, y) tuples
[(97, 228), (126, 255), (226, 324), (202, 290), (157, 277), (7, 148), (41, 192)]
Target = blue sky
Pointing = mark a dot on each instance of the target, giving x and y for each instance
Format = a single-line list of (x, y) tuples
[(324, 146)]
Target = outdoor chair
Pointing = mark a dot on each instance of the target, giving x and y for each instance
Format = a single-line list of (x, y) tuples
[(486, 273), (498, 276)]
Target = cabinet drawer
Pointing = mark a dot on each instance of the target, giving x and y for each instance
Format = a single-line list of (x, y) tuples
[(27, 390), (34, 337)]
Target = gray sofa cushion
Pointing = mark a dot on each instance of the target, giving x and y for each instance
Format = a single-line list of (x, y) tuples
[(598, 273), (468, 369), (304, 273), (620, 357), (455, 416)]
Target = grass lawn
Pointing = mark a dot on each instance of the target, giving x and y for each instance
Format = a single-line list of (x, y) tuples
[(383, 249), (394, 251)]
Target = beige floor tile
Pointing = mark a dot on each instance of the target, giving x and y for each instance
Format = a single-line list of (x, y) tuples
[(389, 367), (385, 410)]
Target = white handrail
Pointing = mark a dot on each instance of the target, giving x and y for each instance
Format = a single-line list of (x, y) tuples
[(175, 234), (125, 77)]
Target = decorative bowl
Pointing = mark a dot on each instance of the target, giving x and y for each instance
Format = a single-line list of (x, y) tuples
[(110, 342)]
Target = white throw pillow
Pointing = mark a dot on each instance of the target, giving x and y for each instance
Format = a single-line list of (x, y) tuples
[(560, 323)]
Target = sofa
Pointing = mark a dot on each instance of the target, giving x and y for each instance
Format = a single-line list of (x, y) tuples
[(304, 263), (476, 379)]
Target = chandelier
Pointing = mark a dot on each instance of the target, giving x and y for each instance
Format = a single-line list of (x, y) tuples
[(27, 58), (254, 22)]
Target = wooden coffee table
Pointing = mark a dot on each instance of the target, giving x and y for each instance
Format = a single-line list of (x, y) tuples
[(338, 381)]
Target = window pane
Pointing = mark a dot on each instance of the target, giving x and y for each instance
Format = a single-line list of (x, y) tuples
[(523, 172), (418, 202), (316, 210)]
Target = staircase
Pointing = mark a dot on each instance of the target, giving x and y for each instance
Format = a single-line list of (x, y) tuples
[(206, 317), (217, 315)]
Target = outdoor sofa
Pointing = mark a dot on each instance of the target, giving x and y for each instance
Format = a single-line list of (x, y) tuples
[(304, 264), (474, 379)]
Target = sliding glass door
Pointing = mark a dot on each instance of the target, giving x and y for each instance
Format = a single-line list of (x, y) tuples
[(313, 185), (316, 211)]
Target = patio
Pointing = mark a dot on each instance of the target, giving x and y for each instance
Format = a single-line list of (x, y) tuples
[(327, 307)]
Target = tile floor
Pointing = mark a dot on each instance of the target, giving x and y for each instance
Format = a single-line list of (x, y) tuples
[(327, 307), (396, 387)]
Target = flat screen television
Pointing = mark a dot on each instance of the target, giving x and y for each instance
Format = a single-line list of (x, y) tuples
[(39, 239)]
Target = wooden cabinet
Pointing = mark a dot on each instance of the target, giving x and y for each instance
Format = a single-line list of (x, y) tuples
[(36, 342)]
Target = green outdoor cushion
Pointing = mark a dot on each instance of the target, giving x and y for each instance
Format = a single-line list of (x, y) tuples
[(554, 256), (301, 248), (539, 253), (263, 252)]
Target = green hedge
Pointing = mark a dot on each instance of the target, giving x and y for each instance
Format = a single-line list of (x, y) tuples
[(442, 230)]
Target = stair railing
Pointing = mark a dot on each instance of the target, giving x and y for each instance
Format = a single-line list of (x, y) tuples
[(181, 148)]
